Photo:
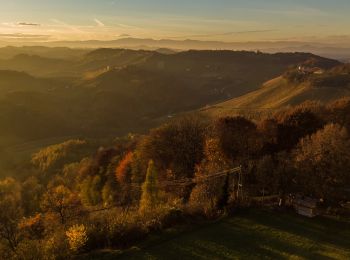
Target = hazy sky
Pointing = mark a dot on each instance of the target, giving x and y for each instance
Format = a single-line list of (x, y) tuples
[(227, 20)]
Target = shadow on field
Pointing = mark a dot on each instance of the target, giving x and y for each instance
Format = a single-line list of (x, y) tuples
[(335, 232), (252, 235)]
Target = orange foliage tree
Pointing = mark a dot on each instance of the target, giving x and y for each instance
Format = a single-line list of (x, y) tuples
[(123, 170), (123, 174)]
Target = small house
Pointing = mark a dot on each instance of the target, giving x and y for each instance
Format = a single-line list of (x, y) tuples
[(306, 206), (310, 70)]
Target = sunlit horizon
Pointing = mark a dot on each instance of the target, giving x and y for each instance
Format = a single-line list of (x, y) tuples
[(228, 21)]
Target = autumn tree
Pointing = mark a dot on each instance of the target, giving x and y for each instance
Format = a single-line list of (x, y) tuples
[(62, 202), (296, 124), (10, 212), (150, 197), (85, 194), (268, 134), (339, 112), (109, 194), (123, 174), (70, 174), (55, 156), (96, 190), (323, 162), (284, 175), (33, 227), (99, 164), (274, 174), (77, 237), (265, 176), (123, 170), (31, 193), (91, 190), (237, 137), (175, 147), (210, 191)]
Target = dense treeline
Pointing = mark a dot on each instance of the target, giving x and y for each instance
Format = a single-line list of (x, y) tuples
[(76, 203)]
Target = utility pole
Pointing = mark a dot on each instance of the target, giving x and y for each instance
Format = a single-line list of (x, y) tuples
[(240, 183)]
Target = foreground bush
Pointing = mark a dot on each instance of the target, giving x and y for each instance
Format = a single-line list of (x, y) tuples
[(77, 237)]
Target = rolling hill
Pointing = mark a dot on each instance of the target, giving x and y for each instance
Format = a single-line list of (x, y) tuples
[(64, 53), (335, 51), (129, 90), (15, 81), (112, 92), (208, 75), (37, 65), (322, 86)]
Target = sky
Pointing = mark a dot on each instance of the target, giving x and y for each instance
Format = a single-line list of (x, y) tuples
[(219, 20)]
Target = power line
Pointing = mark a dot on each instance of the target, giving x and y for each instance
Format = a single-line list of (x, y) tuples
[(189, 181), (185, 182)]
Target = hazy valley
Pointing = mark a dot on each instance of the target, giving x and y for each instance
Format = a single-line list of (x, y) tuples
[(115, 91), (84, 134)]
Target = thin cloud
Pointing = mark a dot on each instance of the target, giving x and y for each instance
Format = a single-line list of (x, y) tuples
[(28, 24), (21, 35), (8, 24), (99, 23), (222, 34), (68, 26), (124, 35), (27, 37), (126, 26), (295, 11)]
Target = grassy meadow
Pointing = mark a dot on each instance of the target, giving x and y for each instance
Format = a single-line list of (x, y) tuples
[(252, 234)]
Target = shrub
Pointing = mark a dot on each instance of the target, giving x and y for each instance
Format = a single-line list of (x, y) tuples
[(31, 250), (56, 246), (77, 237), (33, 227), (115, 228)]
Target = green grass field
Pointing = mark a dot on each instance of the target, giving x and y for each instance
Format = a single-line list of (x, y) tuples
[(249, 235)]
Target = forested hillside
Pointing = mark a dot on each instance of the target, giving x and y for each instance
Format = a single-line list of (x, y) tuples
[(75, 180), (166, 129), (75, 198)]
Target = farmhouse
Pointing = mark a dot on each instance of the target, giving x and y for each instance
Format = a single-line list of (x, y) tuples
[(306, 206), (310, 70)]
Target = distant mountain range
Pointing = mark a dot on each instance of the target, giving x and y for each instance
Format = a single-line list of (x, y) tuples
[(326, 50)]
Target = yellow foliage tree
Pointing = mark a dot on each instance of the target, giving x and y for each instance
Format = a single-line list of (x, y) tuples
[(61, 201), (150, 189), (77, 237)]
